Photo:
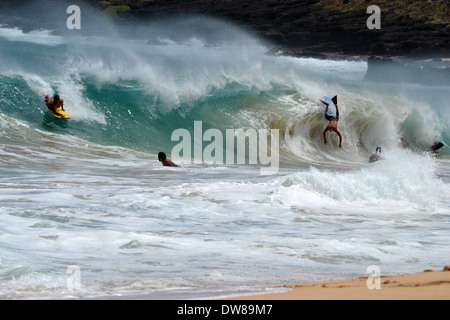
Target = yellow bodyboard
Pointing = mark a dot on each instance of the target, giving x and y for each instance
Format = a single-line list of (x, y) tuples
[(61, 112)]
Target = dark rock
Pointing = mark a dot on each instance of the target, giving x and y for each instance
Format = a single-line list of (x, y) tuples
[(317, 26), (313, 25)]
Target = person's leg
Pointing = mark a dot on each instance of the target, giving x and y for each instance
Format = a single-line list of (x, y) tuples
[(325, 135), (340, 137)]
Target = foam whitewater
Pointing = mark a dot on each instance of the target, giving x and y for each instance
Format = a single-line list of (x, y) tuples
[(87, 210)]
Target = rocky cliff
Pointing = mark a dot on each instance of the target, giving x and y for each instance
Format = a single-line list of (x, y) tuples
[(408, 27)]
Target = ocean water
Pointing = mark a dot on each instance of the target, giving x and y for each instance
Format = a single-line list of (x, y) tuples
[(87, 211)]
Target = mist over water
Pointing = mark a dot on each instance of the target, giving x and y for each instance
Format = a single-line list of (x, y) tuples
[(90, 192)]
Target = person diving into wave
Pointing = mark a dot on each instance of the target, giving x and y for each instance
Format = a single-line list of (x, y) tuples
[(332, 118)]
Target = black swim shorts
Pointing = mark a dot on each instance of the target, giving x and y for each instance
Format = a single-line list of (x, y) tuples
[(331, 117)]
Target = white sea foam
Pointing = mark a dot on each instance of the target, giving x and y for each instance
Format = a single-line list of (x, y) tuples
[(43, 37), (399, 182)]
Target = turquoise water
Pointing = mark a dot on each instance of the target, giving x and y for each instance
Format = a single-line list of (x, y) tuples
[(89, 192)]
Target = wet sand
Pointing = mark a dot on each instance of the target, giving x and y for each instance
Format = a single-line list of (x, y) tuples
[(427, 285)]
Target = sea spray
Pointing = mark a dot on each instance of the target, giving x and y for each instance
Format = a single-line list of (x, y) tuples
[(128, 88), (400, 180)]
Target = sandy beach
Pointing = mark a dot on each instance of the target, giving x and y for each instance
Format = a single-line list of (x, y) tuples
[(427, 285)]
